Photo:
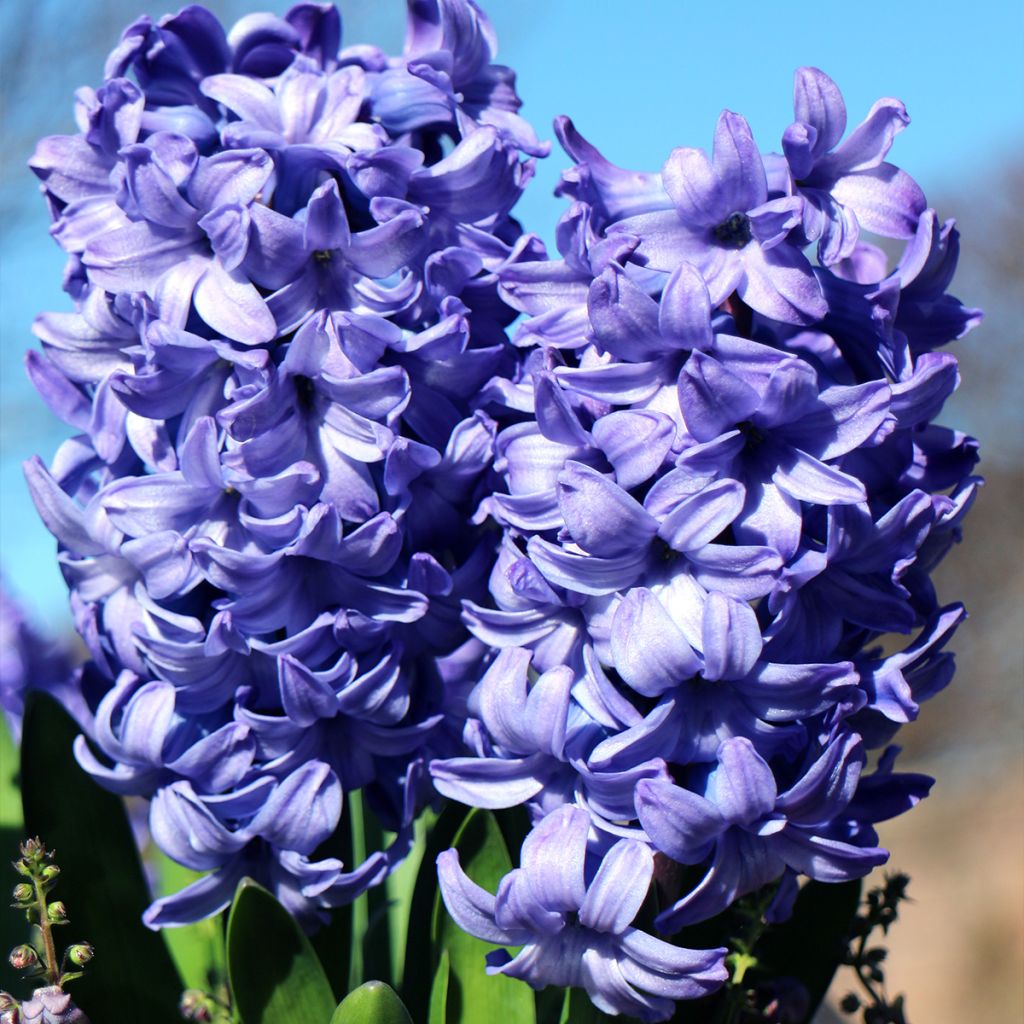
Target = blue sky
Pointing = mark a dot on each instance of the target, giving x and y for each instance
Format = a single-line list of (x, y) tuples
[(638, 77)]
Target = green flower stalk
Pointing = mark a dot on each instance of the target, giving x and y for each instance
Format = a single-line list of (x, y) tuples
[(49, 1004)]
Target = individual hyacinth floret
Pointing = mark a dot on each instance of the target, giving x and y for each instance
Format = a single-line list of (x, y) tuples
[(719, 486), (284, 260)]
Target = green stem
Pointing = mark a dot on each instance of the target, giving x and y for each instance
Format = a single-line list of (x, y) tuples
[(49, 949), (360, 906)]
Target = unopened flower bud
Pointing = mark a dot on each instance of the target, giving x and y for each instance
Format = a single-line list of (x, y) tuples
[(57, 913), (50, 872), (195, 1005), (22, 957), (7, 1001), (23, 868), (22, 892), (81, 953)]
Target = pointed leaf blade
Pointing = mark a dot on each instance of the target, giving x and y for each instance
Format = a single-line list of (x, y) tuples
[(473, 996), (274, 973)]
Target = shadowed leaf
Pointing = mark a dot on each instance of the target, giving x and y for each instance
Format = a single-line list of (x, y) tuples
[(275, 975)]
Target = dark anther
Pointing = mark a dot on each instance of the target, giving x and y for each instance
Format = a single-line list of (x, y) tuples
[(751, 434), (734, 232), (322, 255), (305, 391)]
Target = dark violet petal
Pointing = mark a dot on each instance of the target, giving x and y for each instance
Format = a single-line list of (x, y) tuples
[(712, 398), (617, 383), (380, 251), (694, 188), (493, 783), (305, 697), (601, 517), (635, 442), (700, 518), (623, 317), (885, 199), (867, 145), (818, 103), (843, 419), (778, 282), (555, 416), (738, 164), (153, 190), (684, 315), (230, 304), (742, 786), (326, 225), (62, 516), (64, 399), (732, 637), (826, 860), (502, 700), (236, 176), (798, 145), (227, 227), (805, 478), (552, 858), (200, 899), (619, 888), (471, 907), (789, 393), (250, 99), (303, 810), (739, 570), (648, 649), (826, 788), (678, 822), (132, 258), (586, 573), (188, 831)]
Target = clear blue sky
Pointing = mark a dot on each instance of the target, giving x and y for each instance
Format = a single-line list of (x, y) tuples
[(638, 77)]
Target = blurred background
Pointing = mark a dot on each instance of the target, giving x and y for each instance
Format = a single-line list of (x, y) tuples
[(639, 78)]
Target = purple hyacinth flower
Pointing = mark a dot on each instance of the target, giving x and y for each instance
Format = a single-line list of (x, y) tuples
[(575, 927), (847, 185), (751, 831), (725, 225)]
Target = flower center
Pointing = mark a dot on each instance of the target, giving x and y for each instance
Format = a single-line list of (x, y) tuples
[(734, 232)]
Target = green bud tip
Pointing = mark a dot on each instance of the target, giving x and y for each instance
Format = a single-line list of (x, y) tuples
[(50, 872), (57, 913), (81, 953), (22, 957), (23, 892)]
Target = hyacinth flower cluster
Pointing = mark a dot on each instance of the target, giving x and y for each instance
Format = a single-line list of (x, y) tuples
[(330, 534), (284, 260), (719, 485)]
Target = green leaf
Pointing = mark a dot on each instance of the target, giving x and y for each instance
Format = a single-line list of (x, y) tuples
[(399, 886), (372, 1003), (196, 949), (275, 976), (419, 970), (12, 926), (102, 883), (474, 997), (810, 945), (439, 991)]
